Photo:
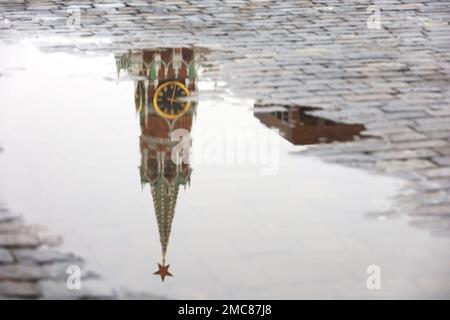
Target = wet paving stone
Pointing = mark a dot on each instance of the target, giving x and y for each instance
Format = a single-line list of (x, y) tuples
[(29, 270), (44, 256), (6, 216), (19, 289), (5, 256), (19, 241), (21, 272)]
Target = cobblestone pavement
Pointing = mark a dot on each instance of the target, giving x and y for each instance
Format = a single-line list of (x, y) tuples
[(395, 80), (32, 268)]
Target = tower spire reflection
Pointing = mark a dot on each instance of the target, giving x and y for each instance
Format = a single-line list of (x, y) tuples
[(164, 79)]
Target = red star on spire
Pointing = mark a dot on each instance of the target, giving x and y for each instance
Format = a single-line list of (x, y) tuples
[(163, 271)]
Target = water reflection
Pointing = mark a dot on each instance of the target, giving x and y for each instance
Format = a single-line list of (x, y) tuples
[(306, 220), (164, 87), (301, 128), (164, 80)]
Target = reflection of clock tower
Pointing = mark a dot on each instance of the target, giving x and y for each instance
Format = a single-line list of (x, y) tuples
[(164, 79)]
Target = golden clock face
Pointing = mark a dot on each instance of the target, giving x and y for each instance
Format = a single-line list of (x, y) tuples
[(168, 100)]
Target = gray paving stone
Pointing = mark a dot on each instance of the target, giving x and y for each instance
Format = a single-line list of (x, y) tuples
[(438, 134), (6, 216), (435, 185), (420, 144), (18, 227), (44, 256), (405, 154), (437, 225), (445, 150), (442, 161), (434, 124), (21, 272), (5, 256), (19, 240), (403, 137), (438, 172), (404, 165), (437, 210), (16, 289), (109, 5)]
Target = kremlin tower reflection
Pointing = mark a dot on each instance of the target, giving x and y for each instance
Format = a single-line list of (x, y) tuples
[(164, 79)]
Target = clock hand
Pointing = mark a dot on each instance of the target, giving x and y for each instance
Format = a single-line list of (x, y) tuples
[(173, 95)]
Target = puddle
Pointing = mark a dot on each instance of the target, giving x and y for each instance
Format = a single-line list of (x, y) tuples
[(239, 217)]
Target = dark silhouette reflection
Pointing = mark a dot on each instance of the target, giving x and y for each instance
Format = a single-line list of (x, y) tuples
[(164, 80), (300, 128)]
